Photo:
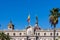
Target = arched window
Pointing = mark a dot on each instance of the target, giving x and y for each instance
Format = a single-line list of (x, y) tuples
[(7, 33), (51, 34), (20, 33), (24, 33), (38, 33), (14, 34), (57, 34), (44, 34), (29, 39)]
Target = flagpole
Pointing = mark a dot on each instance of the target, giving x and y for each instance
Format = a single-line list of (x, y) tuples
[(28, 23), (28, 19)]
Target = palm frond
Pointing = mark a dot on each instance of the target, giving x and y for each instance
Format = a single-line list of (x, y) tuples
[(4, 36)]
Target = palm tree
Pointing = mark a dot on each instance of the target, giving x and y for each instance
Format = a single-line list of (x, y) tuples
[(54, 18), (4, 36), (7, 37)]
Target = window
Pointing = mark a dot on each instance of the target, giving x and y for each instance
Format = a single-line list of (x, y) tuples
[(29, 39), (7, 33), (38, 33), (44, 33), (24, 33), (20, 33), (14, 34), (51, 34), (57, 34)]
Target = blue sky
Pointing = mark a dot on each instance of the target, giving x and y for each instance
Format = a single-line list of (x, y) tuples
[(18, 11)]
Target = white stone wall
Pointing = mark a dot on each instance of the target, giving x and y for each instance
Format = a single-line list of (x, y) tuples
[(41, 35)]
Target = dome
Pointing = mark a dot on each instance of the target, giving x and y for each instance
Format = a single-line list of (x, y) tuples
[(37, 27), (28, 27)]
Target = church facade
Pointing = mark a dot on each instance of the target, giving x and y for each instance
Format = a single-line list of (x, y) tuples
[(31, 33)]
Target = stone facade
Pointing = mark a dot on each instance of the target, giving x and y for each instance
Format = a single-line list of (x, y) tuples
[(31, 33)]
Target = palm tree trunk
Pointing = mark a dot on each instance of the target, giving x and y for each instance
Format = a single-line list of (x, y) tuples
[(54, 31)]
